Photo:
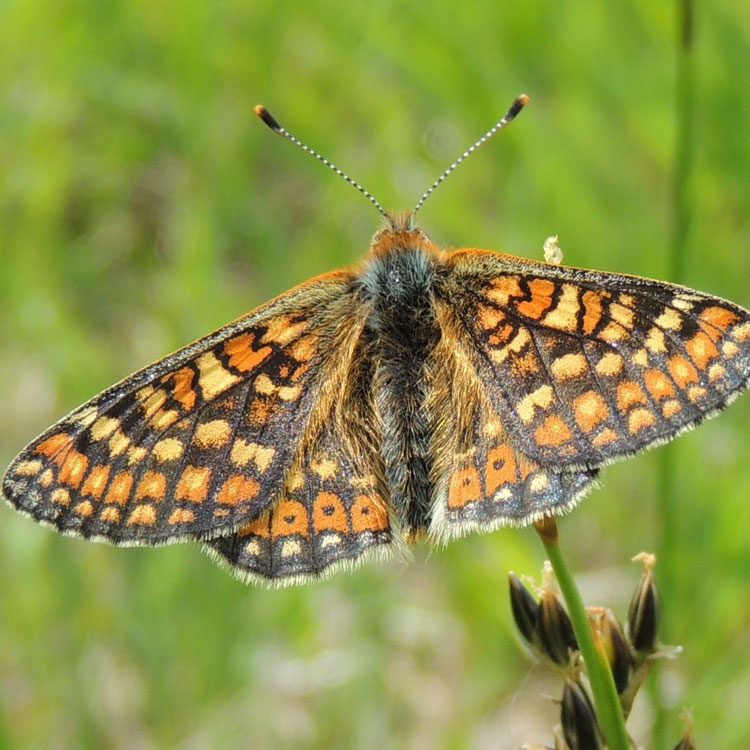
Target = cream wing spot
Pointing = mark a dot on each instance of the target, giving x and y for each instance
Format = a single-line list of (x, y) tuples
[(729, 349), (103, 427), (28, 468), (290, 393), (639, 419), (85, 416), (330, 540), (541, 398), (613, 332), (151, 400), (741, 332), (610, 364), (568, 366), (213, 377), (622, 315), (640, 358), (281, 330), (324, 468), (290, 548), (716, 371), (243, 452), (565, 315), (671, 319), (538, 483), (655, 341), (60, 496), (213, 434), (136, 454), (118, 443), (252, 548), (696, 392), (168, 449), (516, 344)]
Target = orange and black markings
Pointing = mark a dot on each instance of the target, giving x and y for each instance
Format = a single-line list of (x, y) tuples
[(423, 394)]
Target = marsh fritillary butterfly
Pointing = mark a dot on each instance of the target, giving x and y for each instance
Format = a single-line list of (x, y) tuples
[(423, 393)]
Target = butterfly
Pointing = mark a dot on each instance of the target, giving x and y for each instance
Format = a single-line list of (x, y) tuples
[(423, 393)]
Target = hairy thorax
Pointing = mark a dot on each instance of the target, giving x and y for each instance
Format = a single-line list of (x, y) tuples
[(399, 279)]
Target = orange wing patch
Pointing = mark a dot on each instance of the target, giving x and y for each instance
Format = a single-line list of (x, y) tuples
[(329, 513)]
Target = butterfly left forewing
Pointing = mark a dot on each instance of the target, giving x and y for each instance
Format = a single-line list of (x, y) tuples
[(199, 442), (585, 367)]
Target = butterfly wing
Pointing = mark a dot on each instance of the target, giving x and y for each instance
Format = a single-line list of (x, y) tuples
[(578, 368), (200, 442), (481, 480), (332, 511), (586, 367)]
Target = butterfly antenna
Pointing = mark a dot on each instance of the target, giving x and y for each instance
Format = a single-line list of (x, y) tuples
[(276, 126), (509, 116)]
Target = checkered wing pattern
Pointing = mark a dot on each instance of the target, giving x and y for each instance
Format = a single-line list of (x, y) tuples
[(332, 512), (199, 443), (482, 480), (584, 367)]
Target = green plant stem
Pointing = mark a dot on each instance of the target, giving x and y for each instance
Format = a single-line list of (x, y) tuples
[(607, 703), (682, 211)]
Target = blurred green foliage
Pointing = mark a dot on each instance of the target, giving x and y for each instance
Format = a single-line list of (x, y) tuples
[(142, 205)]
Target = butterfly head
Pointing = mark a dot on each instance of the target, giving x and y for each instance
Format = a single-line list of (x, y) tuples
[(400, 232)]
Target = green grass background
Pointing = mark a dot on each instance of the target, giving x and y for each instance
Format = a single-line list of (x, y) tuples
[(142, 205)]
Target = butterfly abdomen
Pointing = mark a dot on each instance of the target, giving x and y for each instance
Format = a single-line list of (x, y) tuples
[(404, 325)]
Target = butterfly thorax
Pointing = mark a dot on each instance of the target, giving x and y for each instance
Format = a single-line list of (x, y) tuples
[(399, 279)]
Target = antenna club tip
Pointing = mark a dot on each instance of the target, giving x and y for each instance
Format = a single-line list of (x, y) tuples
[(519, 103), (267, 117)]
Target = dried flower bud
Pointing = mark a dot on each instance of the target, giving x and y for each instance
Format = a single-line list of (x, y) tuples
[(579, 719), (555, 629), (688, 737), (608, 629), (552, 251), (644, 611), (525, 610)]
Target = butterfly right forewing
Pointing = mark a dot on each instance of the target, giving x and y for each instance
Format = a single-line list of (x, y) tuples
[(585, 367)]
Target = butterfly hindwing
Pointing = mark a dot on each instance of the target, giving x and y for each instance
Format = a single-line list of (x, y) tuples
[(333, 510), (584, 367), (199, 442), (481, 481)]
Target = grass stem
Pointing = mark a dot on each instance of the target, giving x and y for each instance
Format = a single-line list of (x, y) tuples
[(682, 213), (608, 709)]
